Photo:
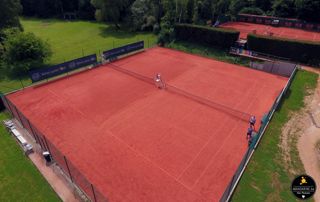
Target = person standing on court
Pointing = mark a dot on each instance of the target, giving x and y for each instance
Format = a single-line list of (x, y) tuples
[(159, 82), (249, 133), (252, 121)]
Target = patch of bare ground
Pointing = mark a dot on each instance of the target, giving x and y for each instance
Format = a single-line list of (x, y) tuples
[(276, 185), (300, 140)]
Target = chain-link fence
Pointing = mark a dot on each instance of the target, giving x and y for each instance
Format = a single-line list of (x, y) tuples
[(264, 123)]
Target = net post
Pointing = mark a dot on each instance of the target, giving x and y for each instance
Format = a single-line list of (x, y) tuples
[(65, 160)]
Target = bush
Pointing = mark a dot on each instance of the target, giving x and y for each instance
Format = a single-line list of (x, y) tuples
[(206, 35), (156, 28), (299, 51), (166, 34), (25, 50)]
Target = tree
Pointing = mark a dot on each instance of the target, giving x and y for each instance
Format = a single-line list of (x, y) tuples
[(170, 12), (25, 51), (308, 10), (167, 22), (86, 10), (190, 10), (221, 7), (252, 10), (265, 5), (29, 7), (284, 8), (9, 13), (112, 10), (143, 15), (48, 8), (205, 10), (195, 17), (237, 5)]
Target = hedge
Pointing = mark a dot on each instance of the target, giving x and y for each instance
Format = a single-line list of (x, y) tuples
[(299, 51), (206, 35)]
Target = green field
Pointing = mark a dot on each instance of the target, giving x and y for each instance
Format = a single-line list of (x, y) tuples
[(70, 40), (266, 178), (20, 179)]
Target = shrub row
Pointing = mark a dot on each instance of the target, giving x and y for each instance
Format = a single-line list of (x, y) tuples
[(299, 51), (206, 35)]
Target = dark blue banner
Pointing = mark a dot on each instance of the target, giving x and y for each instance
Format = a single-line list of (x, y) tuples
[(45, 73), (114, 53)]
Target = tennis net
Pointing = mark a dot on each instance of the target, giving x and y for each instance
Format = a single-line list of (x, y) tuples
[(228, 110), (131, 73)]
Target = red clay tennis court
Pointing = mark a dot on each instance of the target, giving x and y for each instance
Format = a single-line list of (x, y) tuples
[(134, 142), (283, 32)]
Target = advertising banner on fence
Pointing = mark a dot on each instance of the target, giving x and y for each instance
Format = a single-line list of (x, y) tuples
[(113, 53), (45, 73)]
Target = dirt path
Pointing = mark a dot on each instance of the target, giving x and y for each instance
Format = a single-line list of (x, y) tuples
[(308, 139), (309, 136)]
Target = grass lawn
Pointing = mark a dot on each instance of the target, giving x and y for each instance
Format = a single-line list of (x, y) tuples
[(266, 178), (20, 179), (70, 40)]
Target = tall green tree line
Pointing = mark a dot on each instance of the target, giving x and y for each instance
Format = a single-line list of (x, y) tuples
[(143, 14)]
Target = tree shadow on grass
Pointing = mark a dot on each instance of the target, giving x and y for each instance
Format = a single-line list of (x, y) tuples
[(111, 31), (123, 33)]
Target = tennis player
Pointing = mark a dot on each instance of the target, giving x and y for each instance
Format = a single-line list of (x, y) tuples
[(252, 121), (159, 82), (249, 133)]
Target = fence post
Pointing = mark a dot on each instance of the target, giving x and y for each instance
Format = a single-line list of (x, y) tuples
[(7, 104), (32, 132), (36, 137), (94, 194), (65, 160), (46, 143), (19, 117), (21, 83)]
